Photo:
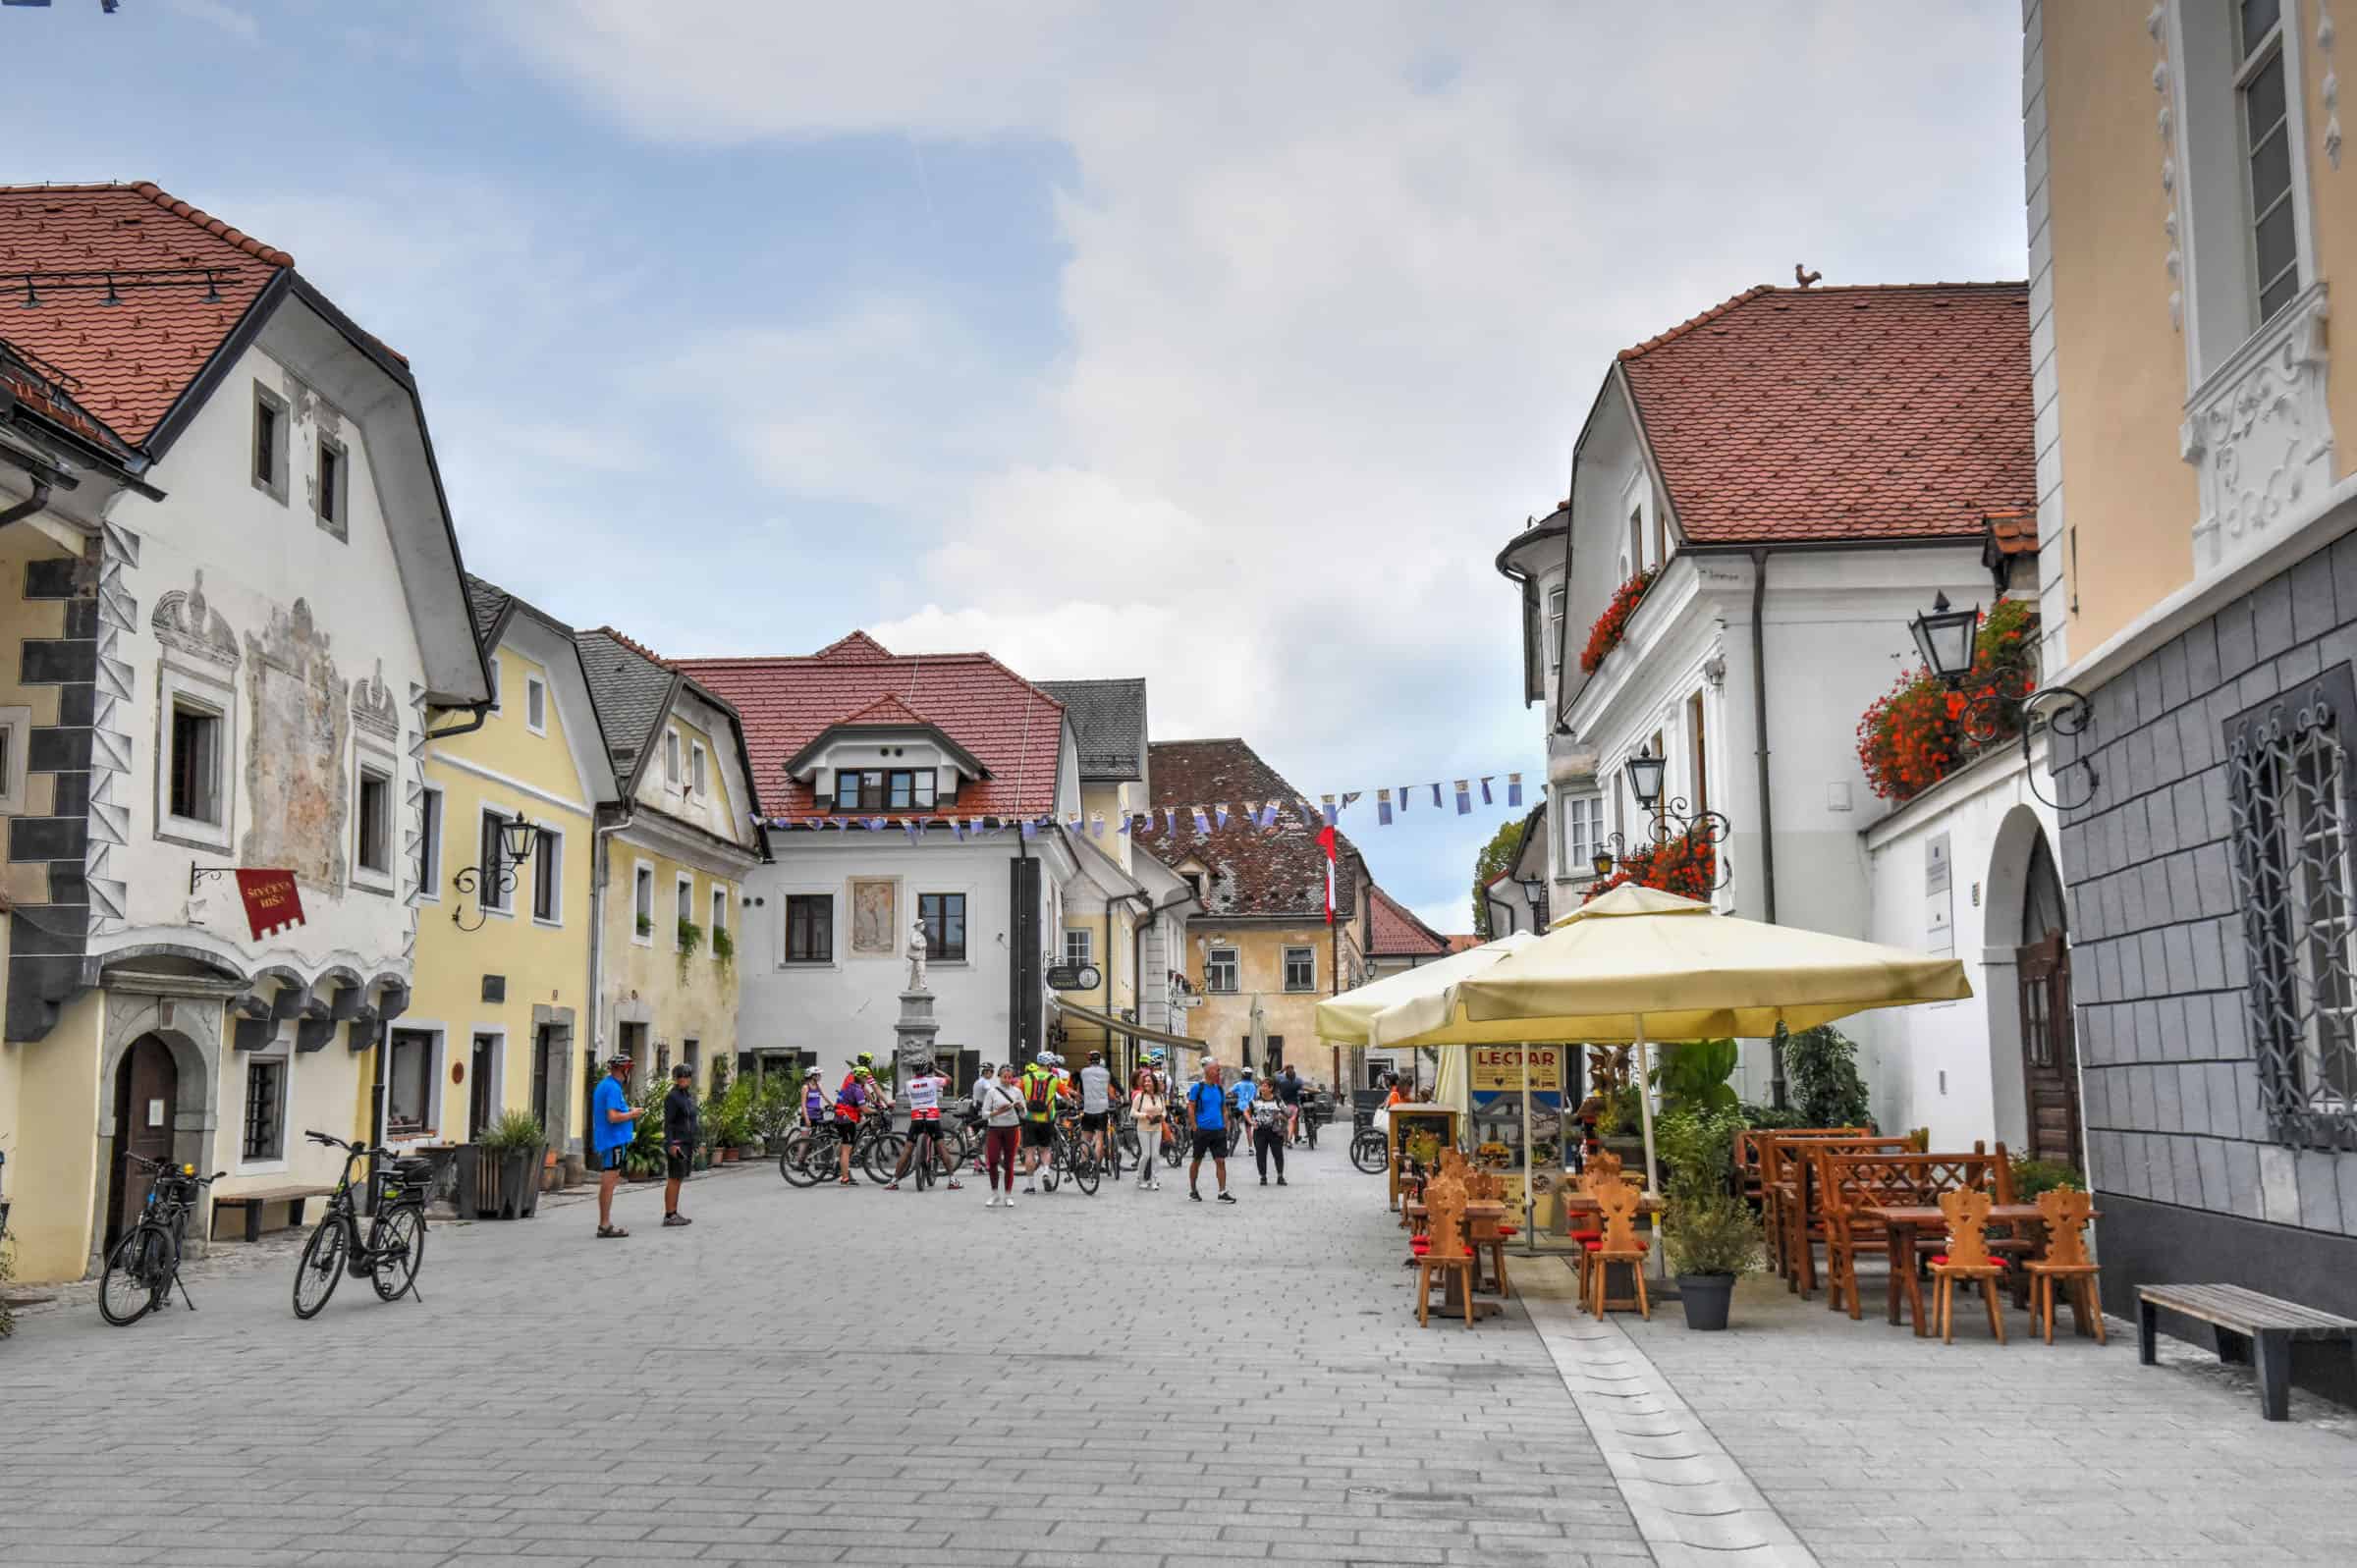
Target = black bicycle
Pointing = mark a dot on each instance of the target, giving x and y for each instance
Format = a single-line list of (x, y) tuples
[(1370, 1150), (395, 1249), (146, 1263), (809, 1155), (1069, 1155)]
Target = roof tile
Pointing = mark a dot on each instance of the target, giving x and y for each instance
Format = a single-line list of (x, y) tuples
[(1395, 932), (1278, 872)]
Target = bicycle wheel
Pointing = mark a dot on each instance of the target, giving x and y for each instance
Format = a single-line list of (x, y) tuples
[(923, 1154), (1370, 1151), (400, 1246), (1173, 1151), (321, 1267), (798, 1163), (1086, 1169), (883, 1156), (137, 1274)]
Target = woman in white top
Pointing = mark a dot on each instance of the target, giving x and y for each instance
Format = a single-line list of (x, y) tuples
[(1001, 1103), (1148, 1105)]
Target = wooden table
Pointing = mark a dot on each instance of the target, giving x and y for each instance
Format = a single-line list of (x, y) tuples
[(1901, 1222), (1479, 1216)]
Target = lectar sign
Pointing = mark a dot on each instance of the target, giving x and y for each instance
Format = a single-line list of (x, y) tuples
[(1501, 1067)]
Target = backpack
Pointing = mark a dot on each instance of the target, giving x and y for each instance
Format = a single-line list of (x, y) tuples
[(1039, 1092)]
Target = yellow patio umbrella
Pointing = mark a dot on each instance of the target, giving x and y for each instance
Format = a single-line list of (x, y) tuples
[(1639, 965), (1343, 1019)]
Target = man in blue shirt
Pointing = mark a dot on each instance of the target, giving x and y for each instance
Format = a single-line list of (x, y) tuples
[(1207, 1109), (1239, 1099), (613, 1123)]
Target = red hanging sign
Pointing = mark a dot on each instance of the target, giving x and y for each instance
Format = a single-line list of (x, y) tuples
[(271, 902)]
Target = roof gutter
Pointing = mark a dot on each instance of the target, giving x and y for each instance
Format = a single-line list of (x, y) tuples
[(30, 505), (482, 716)]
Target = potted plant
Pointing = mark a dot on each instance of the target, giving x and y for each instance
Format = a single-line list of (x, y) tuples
[(515, 1145), (691, 938), (646, 925), (1711, 1237), (642, 1160), (724, 947), (773, 1112), (741, 1116)]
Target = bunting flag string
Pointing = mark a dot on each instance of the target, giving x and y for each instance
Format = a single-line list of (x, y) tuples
[(1324, 814)]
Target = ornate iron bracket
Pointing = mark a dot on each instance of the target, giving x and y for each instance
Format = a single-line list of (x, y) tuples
[(1671, 824), (468, 881), (198, 874)]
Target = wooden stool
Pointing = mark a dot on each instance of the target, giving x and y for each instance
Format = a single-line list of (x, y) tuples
[(2065, 1214), (1967, 1259), (1619, 1243), (1443, 1248)]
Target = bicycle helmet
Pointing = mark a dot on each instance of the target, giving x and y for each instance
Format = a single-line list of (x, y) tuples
[(865, 1058)]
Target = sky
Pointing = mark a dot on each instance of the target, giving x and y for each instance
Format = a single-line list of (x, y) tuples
[(1221, 344)]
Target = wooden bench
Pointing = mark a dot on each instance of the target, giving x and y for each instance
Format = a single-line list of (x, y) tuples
[(254, 1203), (2267, 1323)]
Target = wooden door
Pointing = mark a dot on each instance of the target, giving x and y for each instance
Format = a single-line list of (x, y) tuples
[(544, 1044), (482, 1100), (2049, 1055), (146, 1103)]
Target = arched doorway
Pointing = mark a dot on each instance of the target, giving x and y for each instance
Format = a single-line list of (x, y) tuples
[(146, 1113), (2049, 1058)]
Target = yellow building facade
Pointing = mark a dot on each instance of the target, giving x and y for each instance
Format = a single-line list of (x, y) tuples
[(504, 948)]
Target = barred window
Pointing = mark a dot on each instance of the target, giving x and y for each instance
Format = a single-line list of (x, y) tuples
[(2290, 793)]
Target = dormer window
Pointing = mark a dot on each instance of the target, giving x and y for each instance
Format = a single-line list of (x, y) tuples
[(883, 789)]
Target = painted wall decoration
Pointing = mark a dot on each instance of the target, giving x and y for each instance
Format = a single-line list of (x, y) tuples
[(875, 915), (296, 772)]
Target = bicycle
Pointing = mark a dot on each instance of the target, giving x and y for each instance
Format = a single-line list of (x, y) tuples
[(1370, 1150), (396, 1246), (810, 1154), (938, 1156), (1070, 1156), (146, 1263)]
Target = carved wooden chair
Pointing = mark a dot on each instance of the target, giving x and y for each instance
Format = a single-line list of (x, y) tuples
[(1619, 1243), (1967, 1259), (1443, 1248), (1604, 1168), (2065, 1214), (1800, 1223), (1852, 1182)]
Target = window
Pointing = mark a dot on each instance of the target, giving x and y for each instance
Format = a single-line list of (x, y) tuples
[(720, 919), (809, 927), (2289, 781), (1636, 543), (375, 826), (535, 705), (883, 789), (1582, 834), (409, 1083), (944, 918), (1555, 630), (490, 864), (1300, 968), (695, 769), (548, 877), (1080, 946), (429, 844), (1660, 536), (1219, 970), (492, 664), (196, 763), (1698, 757), (269, 443), (265, 1110), (684, 901), (643, 903), (671, 758), (332, 499), (2259, 88)]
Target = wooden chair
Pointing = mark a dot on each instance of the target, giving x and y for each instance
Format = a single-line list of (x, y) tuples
[(2065, 1214), (1852, 1182), (1618, 1244), (1790, 1166), (1603, 1167), (1443, 1249), (1967, 1258)]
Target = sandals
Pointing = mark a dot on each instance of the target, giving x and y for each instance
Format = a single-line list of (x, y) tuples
[(611, 1233)]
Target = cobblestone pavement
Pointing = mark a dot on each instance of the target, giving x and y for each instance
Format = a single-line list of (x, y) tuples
[(1879, 1447), (819, 1377)]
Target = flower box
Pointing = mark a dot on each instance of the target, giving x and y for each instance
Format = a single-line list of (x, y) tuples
[(1916, 733), (1613, 624)]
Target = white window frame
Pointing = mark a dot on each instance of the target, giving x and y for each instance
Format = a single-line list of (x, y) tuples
[(551, 842), (279, 1049), (433, 815), (16, 735), (1578, 830), (331, 499), (437, 1045), (218, 698), (696, 768), (535, 697), (683, 902), (367, 763), (1284, 972), (1088, 954), (670, 759), (642, 883), (486, 886), (1558, 599), (498, 683), (718, 906), (1234, 965)]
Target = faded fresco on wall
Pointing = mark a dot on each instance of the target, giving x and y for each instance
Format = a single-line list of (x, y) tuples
[(872, 916), (295, 741)]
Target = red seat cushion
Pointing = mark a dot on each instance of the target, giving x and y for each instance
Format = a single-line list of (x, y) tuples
[(1587, 1235), (1941, 1257), (1593, 1245)]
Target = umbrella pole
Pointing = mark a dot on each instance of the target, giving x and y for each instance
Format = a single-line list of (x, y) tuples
[(1653, 1184), (1530, 1203)]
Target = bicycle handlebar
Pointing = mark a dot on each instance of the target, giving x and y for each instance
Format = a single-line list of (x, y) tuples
[(174, 1168), (356, 1150)]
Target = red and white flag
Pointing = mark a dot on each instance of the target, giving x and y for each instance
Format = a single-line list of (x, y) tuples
[(1326, 842)]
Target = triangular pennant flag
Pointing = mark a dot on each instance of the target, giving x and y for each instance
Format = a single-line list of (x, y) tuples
[(1464, 798), (1030, 826), (1330, 808), (1171, 817), (1096, 825), (1202, 820), (1436, 793), (1404, 798), (877, 824), (1486, 799), (1383, 808), (1219, 813), (1350, 795), (915, 828), (1264, 816), (1078, 825), (957, 830), (1513, 789)]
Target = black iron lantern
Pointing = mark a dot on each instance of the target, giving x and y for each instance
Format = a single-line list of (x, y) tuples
[(1943, 636), (1534, 893), (516, 840), (1601, 862), (1644, 772)]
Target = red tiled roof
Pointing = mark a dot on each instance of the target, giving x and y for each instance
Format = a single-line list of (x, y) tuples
[(1393, 932), (1012, 726), (1282, 872), (1458, 942), (129, 360), (1793, 415), (2012, 533)]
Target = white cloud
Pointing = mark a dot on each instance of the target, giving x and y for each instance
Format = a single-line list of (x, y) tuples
[(227, 18), (1342, 281)]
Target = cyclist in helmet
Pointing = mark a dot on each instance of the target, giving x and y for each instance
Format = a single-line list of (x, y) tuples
[(858, 1093), (925, 1087), (1042, 1088)]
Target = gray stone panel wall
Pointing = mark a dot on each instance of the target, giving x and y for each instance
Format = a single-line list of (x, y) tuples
[(2171, 1098)]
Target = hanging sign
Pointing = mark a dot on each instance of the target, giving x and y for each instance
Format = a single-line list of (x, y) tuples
[(1500, 1067), (272, 904), (1075, 977)]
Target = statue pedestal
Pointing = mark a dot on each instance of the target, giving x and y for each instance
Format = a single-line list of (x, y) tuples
[(913, 1031)]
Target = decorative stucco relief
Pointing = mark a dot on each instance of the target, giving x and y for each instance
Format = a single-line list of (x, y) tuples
[(2175, 260), (2258, 432), (296, 773), (372, 707), (2324, 43), (111, 712), (188, 621)]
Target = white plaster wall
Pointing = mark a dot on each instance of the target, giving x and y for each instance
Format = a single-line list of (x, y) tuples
[(723, 809), (258, 556)]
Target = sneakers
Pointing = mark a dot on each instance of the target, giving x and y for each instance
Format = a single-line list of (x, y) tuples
[(1280, 1181), (1194, 1196), (994, 1202), (1227, 1197), (892, 1186), (1009, 1199), (677, 1219), (955, 1185), (1264, 1181)]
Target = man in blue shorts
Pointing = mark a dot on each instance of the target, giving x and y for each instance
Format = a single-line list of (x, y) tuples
[(1207, 1107), (613, 1123)]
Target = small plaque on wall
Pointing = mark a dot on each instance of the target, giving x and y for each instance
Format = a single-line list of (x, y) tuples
[(495, 988)]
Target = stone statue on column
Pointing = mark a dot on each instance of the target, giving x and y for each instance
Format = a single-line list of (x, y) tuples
[(917, 957)]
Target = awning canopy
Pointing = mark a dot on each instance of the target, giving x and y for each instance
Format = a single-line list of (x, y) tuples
[(1123, 1027)]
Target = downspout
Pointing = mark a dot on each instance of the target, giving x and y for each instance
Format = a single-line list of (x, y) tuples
[(30, 505), (482, 716), (1015, 965), (1759, 719)]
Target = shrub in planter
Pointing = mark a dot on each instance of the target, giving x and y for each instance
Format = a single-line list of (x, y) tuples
[(1912, 736), (1821, 1069), (1711, 1235), (518, 1144), (1687, 867), (724, 947), (2031, 1177)]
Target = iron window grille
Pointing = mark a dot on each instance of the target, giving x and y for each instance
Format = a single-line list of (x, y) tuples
[(2290, 795), (265, 1130)]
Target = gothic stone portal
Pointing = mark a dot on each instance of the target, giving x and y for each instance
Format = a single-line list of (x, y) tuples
[(295, 773)]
